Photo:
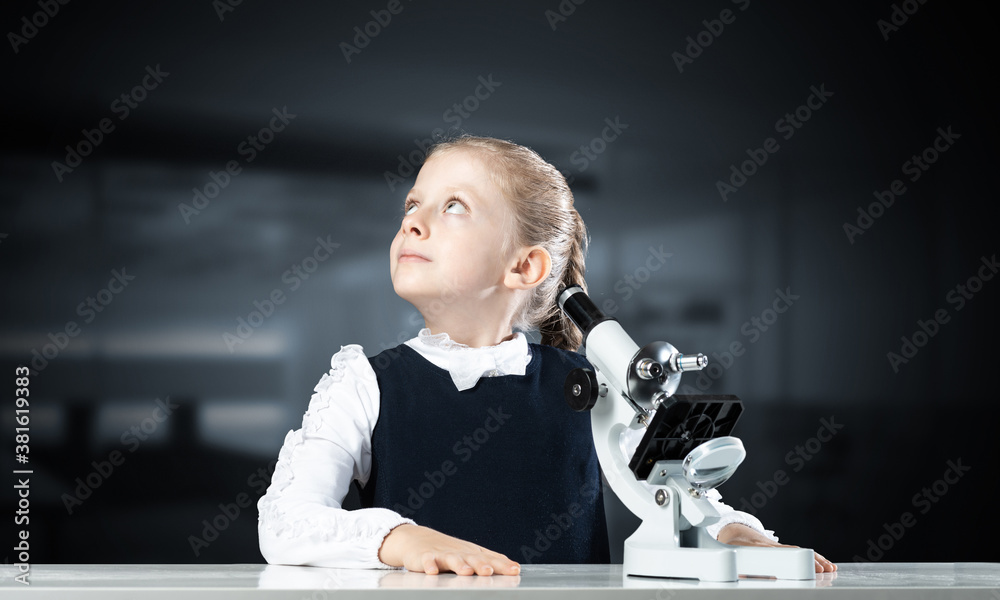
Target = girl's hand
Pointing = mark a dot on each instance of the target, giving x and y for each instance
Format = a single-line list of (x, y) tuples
[(423, 549), (741, 535)]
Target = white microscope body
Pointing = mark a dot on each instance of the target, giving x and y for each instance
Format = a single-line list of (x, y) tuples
[(633, 389)]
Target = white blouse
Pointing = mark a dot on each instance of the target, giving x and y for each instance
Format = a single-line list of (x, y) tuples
[(301, 521)]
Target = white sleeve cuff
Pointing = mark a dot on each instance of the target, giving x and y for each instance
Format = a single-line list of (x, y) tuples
[(349, 540), (729, 515), (743, 519)]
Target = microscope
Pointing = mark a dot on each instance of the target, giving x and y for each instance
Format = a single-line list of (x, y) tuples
[(684, 452)]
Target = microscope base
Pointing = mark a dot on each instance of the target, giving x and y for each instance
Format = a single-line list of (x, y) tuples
[(697, 563), (650, 553)]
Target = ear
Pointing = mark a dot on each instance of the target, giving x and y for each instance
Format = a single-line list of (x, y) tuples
[(530, 267)]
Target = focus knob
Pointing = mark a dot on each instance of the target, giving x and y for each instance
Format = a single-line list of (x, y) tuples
[(581, 389)]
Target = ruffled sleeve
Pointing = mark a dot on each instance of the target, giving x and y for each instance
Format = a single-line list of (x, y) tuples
[(301, 520), (729, 515)]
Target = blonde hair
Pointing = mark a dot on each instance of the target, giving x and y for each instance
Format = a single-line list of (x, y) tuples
[(544, 215)]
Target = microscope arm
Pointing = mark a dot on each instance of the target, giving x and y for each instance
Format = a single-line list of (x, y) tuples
[(618, 360), (608, 418)]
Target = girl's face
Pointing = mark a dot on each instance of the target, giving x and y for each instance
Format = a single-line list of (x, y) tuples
[(448, 247)]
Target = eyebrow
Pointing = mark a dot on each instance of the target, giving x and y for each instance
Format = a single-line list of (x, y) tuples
[(450, 190)]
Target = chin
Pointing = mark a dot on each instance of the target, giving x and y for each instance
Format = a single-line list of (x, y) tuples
[(407, 292)]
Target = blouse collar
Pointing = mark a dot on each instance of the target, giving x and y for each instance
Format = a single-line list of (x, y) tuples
[(466, 365)]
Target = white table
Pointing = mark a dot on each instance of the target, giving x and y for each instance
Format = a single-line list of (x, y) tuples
[(576, 582)]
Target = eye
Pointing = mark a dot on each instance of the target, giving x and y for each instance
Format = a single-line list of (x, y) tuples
[(409, 208), (455, 207)]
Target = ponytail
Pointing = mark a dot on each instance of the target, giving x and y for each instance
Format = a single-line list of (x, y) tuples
[(558, 330)]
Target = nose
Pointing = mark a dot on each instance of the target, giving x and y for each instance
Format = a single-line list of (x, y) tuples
[(414, 225)]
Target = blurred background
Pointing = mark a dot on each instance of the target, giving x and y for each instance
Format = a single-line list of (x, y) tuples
[(167, 170)]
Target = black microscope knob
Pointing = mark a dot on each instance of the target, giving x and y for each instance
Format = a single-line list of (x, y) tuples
[(581, 389)]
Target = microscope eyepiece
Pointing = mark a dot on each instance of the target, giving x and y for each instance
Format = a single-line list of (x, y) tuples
[(581, 309)]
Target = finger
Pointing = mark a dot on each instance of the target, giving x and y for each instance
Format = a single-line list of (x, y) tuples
[(501, 564), (480, 563), (430, 564), (457, 563), (823, 565), (505, 566)]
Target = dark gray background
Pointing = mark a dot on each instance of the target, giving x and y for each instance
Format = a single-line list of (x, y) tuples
[(653, 186)]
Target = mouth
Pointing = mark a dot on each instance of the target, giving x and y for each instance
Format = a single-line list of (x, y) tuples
[(411, 256)]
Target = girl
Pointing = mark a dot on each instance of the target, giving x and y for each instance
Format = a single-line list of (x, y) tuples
[(465, 454)]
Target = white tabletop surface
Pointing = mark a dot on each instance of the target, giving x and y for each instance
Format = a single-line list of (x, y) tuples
[(886, 580)]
